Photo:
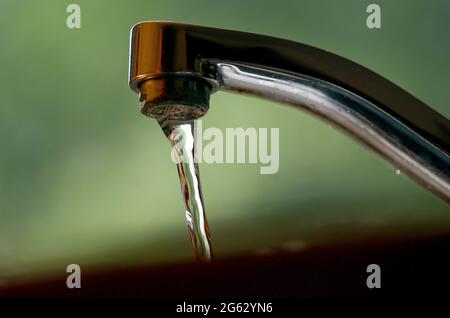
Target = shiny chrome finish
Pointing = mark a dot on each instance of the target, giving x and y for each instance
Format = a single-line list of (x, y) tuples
[(404, 148), (179, 65)]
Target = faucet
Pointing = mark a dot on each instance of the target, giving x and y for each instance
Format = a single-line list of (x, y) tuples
[(175, 67)]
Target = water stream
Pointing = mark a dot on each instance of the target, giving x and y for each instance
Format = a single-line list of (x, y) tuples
[(183, 139)]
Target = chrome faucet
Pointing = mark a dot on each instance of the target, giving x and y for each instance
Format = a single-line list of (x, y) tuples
[(175, 67)]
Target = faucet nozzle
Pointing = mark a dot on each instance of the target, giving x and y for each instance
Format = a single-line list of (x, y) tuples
[(174, 98)]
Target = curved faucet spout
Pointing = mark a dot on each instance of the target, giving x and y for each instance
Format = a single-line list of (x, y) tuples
[(399, 127)]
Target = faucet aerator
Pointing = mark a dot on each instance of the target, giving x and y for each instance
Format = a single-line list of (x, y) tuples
[(175, 98)]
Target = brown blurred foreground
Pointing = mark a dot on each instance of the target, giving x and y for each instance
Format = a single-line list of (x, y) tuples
[(409, 268)]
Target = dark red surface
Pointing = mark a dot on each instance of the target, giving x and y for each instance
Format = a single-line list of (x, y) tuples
[(409, 268)]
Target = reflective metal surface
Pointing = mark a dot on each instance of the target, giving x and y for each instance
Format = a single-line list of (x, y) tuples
[(404, 148), (399, 127)]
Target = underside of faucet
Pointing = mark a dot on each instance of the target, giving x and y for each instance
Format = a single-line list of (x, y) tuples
[(175, 67)]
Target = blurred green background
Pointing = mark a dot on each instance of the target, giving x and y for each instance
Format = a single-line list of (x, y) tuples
[(86, 179)]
